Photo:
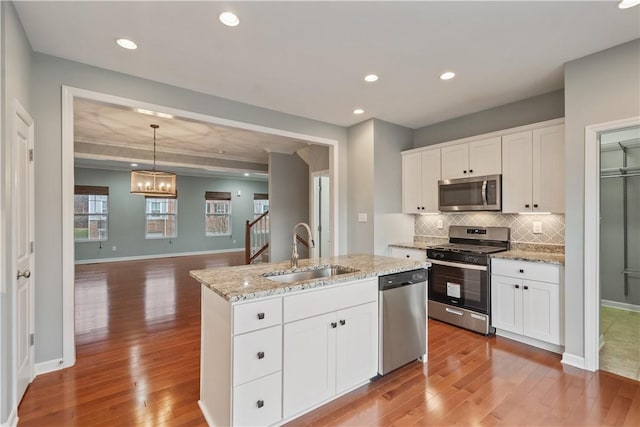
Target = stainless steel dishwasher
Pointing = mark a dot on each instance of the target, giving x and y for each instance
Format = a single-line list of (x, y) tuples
[(403, 319)]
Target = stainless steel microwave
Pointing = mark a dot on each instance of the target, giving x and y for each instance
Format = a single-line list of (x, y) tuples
[(478, 193)]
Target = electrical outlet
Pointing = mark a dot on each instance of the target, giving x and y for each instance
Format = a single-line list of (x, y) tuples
[(537, 227), (440, 226), (362, 217)]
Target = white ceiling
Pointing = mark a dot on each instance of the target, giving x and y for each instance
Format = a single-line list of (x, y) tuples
[(309, 58)]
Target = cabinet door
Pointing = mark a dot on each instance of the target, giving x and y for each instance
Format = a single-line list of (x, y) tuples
[(541, 311), (506, 303), (430, 178), (455, 161), (412, 183), (357, 345), (485, 157), (517, 186), (548, 169), (308, 363)]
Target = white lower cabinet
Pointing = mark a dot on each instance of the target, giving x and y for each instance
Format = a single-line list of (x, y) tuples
[(524, 306), (330, 353), (259, 402)]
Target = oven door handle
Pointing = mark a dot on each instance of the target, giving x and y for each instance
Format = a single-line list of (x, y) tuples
[(458, 265)]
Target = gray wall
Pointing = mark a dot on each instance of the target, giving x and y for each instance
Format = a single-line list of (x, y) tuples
[(612, 229), (127, 220), (49, 74), (390, 226), (598, 88), (288, 202), (16, 74), (360, 186), (375, 182), (531, 110)]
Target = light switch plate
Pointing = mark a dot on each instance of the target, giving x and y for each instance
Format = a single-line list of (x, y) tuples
[(440, 224), (362, 217), (537, 227)]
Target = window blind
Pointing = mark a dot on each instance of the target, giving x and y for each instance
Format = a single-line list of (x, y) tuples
[(91, 190), (217, 195)]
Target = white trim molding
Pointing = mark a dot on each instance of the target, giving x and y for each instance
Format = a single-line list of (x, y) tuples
[(68, 250), (592, 240), (573, 360), (12, 419), (49, 366), (157, 256), (620, 305)]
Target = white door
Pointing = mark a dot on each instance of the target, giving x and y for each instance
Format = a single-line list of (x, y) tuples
[(506, 303), (309, 372), (485, 157), (22, 246), (357, 345)]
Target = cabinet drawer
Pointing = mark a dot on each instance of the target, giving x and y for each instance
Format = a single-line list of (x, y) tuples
[(257, 315), (259, 402), (313, 303), (539, 271), (406, 253), (257, 354)]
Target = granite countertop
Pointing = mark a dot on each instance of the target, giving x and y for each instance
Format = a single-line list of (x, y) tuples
[(247, 281), (532, 256), (412, 245)]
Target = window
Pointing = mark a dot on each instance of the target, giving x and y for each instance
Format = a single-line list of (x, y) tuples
[(91, 213), (217, 213), (260, 204), (161, 218)]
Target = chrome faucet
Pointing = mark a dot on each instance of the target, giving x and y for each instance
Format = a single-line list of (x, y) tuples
[(294, 250)]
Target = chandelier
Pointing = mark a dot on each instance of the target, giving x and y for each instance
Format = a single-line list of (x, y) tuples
[(153, 183)]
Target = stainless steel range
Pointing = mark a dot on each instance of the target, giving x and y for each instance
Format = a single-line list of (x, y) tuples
[(459, 287)]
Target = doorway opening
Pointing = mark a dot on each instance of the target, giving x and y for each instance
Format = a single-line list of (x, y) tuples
[(320, 214), (620, 251)]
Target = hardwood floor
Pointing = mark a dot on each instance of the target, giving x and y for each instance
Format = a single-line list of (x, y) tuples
[(138, 355)]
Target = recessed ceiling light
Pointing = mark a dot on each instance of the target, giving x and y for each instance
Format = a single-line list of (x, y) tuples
[(626, 4), (370, 78), (229, 19), (220, 152), (448, 75), (358, 111), (127, 44), (134, 165)]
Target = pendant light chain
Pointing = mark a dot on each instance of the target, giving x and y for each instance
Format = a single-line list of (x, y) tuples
[(155, 127)]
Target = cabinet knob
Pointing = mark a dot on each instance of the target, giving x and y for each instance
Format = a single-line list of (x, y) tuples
[(334, 325), (526, 287), (526, 206), (517, 286), (418, 208), (343, 322), (464, 171), (260, 316), (261, 355), (521, 270), (408, 256), (422, 208), (535, 205), (260, 403), (470, 170)]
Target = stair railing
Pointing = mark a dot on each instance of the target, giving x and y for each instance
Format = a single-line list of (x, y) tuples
[(256, 237)]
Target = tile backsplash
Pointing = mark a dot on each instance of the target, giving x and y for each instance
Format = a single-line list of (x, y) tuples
[(521, 225)]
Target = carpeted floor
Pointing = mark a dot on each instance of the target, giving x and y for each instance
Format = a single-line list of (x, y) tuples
[(621, 351)]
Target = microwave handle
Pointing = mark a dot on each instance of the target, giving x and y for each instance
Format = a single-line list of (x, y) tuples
[(485, 199)]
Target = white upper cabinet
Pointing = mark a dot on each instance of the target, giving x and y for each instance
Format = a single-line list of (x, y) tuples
[(477, 158), (420, 176), (533, 171)]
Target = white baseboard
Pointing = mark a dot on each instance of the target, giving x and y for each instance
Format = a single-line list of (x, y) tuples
[(172, 255), (620, 305), (48, 366), (12, 419), (573, 360), (530, 341), (205, 413), (601, 342)]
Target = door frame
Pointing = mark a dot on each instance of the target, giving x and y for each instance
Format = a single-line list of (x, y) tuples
[(313, 210), (18, 111), (592, 237), (68, 249)]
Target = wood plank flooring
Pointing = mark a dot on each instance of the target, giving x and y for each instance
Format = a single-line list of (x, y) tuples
[(138, 355)]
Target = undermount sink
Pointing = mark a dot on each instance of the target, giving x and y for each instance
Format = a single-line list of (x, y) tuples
[(316, 273)]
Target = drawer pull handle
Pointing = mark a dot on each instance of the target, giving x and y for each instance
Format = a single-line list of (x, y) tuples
[(334, 325), (526, 287), (260, 403), (521, 270), (261, 355), (517, 286), (526, 206), (343, 322), (260, 316), (456, 312)]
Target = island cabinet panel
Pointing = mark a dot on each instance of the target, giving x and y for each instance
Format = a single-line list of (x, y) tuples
[(258, 403), (261, 314), (526, 301), (257, 354), (330, 353)]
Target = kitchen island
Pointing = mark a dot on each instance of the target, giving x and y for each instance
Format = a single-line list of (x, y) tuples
[(275, 345)]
